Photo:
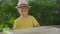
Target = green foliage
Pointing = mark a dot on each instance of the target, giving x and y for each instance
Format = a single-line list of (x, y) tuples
[(7, 14), (44, 11), (5, 30)]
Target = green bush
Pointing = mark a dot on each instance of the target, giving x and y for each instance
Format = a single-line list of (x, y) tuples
[(44, 11), (8, 14)]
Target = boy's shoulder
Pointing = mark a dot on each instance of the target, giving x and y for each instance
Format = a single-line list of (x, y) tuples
[(17, 19), (31, 16)]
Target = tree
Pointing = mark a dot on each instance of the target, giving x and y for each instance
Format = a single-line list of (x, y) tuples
[(44, 11), (7, 14)]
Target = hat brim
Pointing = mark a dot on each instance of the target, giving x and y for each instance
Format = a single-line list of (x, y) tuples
[(22, 6)]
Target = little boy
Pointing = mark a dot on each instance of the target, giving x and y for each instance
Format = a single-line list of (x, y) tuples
[(25, 20)]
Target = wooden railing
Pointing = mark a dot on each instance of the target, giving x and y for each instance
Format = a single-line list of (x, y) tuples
[(37, 30)]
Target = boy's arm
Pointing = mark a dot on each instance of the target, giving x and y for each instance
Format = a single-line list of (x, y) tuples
[(15, 25), (37, 25), (35, 22)]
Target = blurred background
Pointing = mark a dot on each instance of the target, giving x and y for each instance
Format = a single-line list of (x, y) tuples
[(47, 12)]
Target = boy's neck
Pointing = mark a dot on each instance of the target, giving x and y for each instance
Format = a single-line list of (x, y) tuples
[(23, 16)]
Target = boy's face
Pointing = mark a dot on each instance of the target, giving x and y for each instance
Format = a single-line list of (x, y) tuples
[(23, 10)]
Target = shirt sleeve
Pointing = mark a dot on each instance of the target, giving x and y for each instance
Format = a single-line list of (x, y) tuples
[(15, 26), (35, 22)]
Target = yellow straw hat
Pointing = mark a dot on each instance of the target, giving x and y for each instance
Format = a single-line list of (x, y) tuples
[(22, 3)]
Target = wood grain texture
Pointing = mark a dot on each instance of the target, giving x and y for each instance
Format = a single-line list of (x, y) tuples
[(37, 30)]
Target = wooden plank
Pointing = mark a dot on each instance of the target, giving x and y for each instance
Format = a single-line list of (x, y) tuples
[(37, 30)]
